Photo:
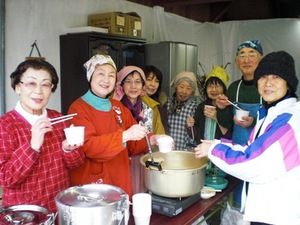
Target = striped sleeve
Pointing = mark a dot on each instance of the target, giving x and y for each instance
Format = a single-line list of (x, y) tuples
[(272, 154)]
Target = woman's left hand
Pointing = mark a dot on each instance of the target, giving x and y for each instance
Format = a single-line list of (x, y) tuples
[(154, 138), (246, 122), (211, 113), (69, 147)]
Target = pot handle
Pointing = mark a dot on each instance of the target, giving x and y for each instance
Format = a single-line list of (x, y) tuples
[(53, 216), (67, 216), (119, 216)]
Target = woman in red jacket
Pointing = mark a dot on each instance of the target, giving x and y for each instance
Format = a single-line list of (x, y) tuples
[(34, 155), (111, 132)]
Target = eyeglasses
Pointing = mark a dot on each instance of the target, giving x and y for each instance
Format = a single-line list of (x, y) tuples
[(33, 85), (214, 86), (130, 82), (251, 55)]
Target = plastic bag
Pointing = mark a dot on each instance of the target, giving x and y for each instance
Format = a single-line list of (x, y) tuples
[(232, 217)]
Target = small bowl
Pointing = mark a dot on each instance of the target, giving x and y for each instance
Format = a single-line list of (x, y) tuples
[(216, 182), (207, 192)]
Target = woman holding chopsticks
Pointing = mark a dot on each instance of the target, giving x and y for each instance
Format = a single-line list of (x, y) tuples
[(34, 155)]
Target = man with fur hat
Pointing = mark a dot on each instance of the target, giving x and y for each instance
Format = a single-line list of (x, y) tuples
[(270, 162)]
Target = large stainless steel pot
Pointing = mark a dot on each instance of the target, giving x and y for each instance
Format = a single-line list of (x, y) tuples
[(93, 204), (182, 175), (26, 214)]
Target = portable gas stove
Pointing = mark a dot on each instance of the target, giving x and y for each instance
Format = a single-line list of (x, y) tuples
[(172, 206)]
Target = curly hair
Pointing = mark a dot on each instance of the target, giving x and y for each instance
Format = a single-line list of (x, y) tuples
[(36, 64)]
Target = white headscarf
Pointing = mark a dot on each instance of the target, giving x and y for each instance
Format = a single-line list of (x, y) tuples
[(97, 60)]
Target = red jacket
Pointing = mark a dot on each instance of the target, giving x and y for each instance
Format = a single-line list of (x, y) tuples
[(29, 177), (107, 158)]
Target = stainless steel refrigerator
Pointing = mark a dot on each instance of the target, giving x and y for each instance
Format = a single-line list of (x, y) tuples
[(171, 58)]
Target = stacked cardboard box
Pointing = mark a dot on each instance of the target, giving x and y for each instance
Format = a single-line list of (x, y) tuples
[(128, 24), (115, 22), (134, 24)]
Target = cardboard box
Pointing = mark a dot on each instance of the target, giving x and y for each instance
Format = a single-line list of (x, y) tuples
[(115, 22), (134, 24)]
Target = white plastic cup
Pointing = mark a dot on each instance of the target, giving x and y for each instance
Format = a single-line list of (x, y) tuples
[(74, 135), (241, 113), (142, 208), (141, 220), (165, 144)]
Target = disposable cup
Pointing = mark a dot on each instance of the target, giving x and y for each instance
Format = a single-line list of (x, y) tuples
[(141, 205), (141, 220), (165, 144), (209, 107), (241, 113), (74, 135)]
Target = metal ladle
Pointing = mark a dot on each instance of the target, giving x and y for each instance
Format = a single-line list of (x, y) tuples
[(151, 164)]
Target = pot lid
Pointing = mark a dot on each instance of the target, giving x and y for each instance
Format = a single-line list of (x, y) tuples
[(90, 195)]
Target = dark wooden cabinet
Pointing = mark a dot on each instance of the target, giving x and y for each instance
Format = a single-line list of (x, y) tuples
[(77, 48)]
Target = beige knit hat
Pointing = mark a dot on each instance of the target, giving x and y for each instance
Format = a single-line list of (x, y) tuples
[(188, 76)]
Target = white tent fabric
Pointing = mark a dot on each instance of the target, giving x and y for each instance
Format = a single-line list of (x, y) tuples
[(217, 43), (44, 20)]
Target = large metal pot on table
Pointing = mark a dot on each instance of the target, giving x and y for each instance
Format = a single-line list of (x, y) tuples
[(93, 204), (179, 174)]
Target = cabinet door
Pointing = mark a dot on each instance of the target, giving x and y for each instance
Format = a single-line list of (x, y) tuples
[(76, 49), (132, 55), (107, 47)]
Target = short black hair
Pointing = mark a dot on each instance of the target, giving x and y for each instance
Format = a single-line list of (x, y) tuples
[(37, 64), (214, 80), (152, 69)]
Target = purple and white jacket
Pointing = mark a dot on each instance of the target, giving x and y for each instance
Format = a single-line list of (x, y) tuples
[(270, 162)]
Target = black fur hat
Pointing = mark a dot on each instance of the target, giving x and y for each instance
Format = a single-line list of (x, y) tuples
[(281, 64)]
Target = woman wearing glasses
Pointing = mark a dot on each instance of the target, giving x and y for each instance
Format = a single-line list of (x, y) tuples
[(129, 90), (205, 124), (34, 155)]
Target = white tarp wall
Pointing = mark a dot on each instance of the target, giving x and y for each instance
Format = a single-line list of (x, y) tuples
[(44, 20)]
